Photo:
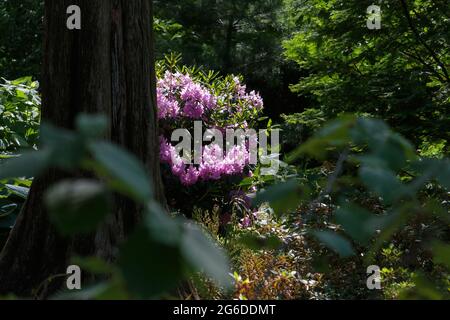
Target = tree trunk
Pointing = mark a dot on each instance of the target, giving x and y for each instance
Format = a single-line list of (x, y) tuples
[(106, 67)]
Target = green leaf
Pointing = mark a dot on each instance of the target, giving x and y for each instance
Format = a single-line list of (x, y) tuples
[(255, 241), (383, 182), (203, 254), (442, 254), (19, 191), (358, 222), (110, 290), (335, 133), (91, 126), (67, 149), (93, 265), (335, 242), (282, 197), (388, 149), (150, 268), (8, 213), (22, 80), (29, 164), (424, 289), (430, 168), (161, 226), (363, 132), (77, 206), (130, 175), (396, 151), (7, 209), (444, 175), (246, 182)]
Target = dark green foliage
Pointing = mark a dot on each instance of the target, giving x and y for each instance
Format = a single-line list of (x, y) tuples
[(20, 37), (299, 127), (160, 253), (223, 34), (13, 193), (382, 190), (237, 36), (399, 73), (335, 242), (19, 114), (283, 197), (77, 206), (356, 192), (19, 124)]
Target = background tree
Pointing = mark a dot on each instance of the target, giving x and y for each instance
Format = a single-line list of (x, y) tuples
[(399, 73), (106, 67), (238, 36), (241, 37), (21, 37)]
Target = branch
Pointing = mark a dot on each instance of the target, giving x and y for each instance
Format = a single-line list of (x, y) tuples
[(429, 67), (417, 35), (330, 183)]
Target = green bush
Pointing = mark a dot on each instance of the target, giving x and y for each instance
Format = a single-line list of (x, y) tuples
[(399, 73), (19, 114), (19, 131), (379, 192)]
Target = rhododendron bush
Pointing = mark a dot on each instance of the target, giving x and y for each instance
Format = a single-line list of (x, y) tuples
[(185, 95)]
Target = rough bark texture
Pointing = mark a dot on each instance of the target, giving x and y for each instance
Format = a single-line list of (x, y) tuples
[(106, 67)]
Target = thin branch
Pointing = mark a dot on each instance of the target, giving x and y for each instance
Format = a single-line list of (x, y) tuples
[(330, 183), (429, 67), (417, 35)]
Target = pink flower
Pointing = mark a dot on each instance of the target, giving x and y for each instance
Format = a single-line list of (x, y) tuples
[(254, 100), (197, 99), (193, 110), (239, 88), (167, 106), (246, 222), (190, 176), (214, 164), (181, 99)]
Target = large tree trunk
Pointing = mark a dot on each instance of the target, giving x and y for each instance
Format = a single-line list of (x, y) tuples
[(106, 67)]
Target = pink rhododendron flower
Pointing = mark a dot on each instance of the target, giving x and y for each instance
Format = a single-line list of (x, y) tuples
[(214, 164), (182, 99), (167, 107)]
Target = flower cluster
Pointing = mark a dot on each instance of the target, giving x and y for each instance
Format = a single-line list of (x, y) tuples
[(253, 99), (183, 97), (179, 96), (215, 163)]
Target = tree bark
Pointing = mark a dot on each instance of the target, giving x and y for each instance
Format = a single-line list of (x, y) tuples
[(106, 67)]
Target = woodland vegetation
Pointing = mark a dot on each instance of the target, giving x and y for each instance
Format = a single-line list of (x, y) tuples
[(89, 176)]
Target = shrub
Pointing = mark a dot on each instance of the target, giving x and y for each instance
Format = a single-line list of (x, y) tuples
[(19, 114), (186, 95), (19, 122)]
